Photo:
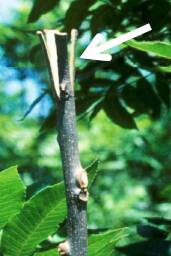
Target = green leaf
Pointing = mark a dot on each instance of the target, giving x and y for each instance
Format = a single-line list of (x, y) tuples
[(100, 14), (153, 247), (33, 105), (118, 113), (92, 171), (142, 98), (149, 231), (52, 252), (165, 69), (159, 221), (39, 218), (77, 13), (41, 7), (12, 193), (160, 49), (134, 99), (104, 243)]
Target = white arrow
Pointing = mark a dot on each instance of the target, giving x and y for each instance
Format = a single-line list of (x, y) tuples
[(94, 51)]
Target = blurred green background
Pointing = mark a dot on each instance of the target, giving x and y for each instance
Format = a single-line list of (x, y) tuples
[(134, 179)]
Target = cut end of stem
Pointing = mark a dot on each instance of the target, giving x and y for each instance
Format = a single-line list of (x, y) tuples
[(48, 38), (54, 31)]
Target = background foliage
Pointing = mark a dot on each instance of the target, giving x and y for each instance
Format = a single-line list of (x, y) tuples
[(123, 120)]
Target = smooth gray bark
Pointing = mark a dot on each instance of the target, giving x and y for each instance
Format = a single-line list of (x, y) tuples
[(68, 142)]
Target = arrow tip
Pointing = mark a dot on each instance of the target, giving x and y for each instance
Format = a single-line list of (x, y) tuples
[(91, 52), (96, 56)]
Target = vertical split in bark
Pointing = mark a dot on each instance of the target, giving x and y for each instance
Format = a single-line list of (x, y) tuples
[(55, 45)]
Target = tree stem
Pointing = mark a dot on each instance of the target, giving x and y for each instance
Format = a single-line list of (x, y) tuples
[(75, 177)]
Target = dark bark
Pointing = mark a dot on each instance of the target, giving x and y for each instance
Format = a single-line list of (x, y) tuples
[(68, 142)]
